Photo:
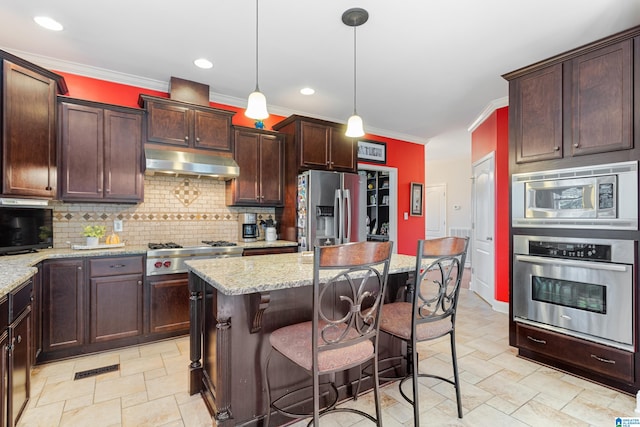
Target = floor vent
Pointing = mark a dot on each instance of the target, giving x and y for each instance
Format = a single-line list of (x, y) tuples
[(96, 371)]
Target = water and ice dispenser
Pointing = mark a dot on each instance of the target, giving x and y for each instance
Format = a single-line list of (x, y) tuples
[(325, 221)]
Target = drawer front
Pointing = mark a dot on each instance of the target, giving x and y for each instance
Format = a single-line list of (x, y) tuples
[(604, 360), (270, 251), (115, 266), (20, 298)]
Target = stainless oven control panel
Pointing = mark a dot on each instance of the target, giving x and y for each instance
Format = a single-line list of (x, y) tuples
[(586, 251)]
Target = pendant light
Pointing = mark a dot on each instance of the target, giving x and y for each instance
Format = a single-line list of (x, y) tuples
[(257, 103), (354, 18)]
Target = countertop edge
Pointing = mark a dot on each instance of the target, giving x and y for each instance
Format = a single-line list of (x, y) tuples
[(16, 269), (239, 276)]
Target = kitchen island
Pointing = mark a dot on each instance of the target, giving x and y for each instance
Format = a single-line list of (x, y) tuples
[(235, 304)]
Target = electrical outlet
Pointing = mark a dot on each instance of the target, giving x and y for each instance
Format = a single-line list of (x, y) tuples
[(117, 225), (406, 216)]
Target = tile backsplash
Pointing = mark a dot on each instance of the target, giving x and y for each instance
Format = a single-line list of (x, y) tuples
[(179, 209)]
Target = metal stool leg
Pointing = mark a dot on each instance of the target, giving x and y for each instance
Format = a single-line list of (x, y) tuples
[(456, 378)]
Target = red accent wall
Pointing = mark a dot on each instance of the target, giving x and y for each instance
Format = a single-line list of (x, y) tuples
[(119, 94), (407, 157), (493, 135)]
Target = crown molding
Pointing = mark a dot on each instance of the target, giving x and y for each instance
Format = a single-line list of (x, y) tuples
[(488, 110), (157, 85)]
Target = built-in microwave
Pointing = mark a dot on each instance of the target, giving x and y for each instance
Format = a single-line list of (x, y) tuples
[(25, 225), (599, 196)]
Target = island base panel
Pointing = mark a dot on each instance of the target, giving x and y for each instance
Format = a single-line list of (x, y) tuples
[(233, 352)]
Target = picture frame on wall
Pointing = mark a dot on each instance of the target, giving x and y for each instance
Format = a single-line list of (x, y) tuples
[(372, 151), (416, 199)]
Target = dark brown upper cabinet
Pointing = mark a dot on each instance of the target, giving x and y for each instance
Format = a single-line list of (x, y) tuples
[(260, 155), (100, 152), (186, 125), (28, 128), (535, 101), (319, 145), (601, 100), (577, 103)]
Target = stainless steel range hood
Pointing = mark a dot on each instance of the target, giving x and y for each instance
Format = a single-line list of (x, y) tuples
[(187, 163)]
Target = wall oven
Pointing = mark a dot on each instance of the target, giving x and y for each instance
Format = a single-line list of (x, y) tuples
[(580, 287), (600, 196)]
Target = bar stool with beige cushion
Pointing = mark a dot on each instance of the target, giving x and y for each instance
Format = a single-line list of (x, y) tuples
[(349, 283), (431, 312)]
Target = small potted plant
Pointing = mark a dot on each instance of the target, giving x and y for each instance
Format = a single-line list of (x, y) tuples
[(93, 233)]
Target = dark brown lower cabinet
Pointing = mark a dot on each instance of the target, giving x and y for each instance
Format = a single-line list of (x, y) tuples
[(168, 303), (608, 362), (63, 304), (17, 359), (116, 307), (99, 303), (116, 298), (4, 371), (19, 365)]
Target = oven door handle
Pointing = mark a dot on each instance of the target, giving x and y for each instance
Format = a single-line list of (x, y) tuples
[(571, 263)]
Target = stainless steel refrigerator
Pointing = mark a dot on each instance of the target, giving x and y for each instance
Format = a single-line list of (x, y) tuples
[(331, 208)]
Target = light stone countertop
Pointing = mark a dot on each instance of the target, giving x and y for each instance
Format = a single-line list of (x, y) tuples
[(247, 275), (16, 269)]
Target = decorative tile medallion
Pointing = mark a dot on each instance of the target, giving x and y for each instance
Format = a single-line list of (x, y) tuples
[(187, 192)]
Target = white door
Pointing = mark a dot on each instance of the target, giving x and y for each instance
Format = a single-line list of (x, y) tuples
[(482, 244), (436, 211)]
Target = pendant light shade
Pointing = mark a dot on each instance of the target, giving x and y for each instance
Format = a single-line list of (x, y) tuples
[(257, 102), (355, 127), (354, 18), (257, 106)]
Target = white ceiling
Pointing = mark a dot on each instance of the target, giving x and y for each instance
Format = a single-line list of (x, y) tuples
[(425, 68)]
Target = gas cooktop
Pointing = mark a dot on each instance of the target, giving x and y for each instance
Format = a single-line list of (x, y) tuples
[(168, 245), (218, 243), (169, 257), (172, 245)]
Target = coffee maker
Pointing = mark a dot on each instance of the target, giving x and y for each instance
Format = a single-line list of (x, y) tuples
[(248, 227)]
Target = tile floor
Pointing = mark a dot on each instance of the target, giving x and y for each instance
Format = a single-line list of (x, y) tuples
[(498, 389)]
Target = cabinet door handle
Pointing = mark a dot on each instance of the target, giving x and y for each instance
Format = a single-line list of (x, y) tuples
[(79, 268), (139, 282), (197, 139), (186, 138), (576, 145), (19, 339), (116, 266), (556, 148), (529, 337), (600, 359)]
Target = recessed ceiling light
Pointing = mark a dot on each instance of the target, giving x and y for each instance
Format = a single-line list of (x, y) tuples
[(48, 23), (307, 91), (203, 63)]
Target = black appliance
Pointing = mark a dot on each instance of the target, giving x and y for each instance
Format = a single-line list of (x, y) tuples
[(25, 226)]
